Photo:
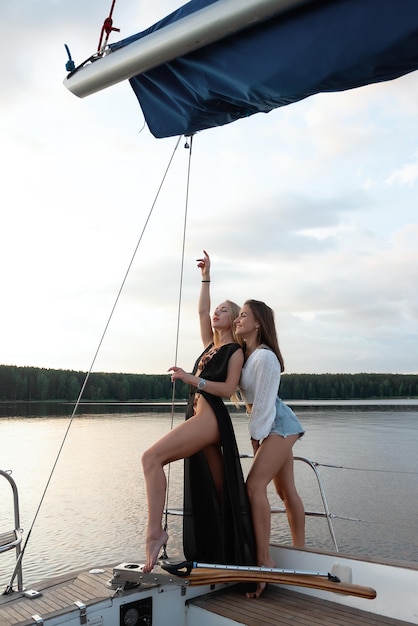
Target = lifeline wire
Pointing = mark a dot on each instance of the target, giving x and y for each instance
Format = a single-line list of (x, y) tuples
[(188, 145), (366, 469), (9, 588)]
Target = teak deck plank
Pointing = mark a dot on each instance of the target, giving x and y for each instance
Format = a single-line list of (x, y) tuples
[(56, 598), (279, 607)]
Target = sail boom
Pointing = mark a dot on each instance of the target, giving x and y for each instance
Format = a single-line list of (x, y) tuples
[(203, 27)]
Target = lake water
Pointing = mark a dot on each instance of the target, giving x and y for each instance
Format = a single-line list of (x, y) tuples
[(94, 511)]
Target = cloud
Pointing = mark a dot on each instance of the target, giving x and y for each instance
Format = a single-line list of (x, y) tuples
[(311, 208), (406, 175)]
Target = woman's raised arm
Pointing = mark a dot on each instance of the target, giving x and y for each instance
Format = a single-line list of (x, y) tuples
[(206, 331)]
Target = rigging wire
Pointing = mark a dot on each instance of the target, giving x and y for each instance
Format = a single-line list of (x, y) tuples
[(107, 28), (101, 48), (188, 145), (9, 588)]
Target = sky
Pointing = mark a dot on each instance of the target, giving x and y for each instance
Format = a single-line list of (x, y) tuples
[(311, 208)]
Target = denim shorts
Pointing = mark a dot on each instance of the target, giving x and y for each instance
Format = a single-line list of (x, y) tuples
[(285, 423)]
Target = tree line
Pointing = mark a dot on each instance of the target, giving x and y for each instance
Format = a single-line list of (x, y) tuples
[(39, 384)]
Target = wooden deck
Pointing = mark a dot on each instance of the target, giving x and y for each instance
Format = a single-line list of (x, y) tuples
[(58, 597), (281, 607), (277, 606)]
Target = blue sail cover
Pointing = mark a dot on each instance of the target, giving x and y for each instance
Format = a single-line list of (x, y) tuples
[(322, 47)]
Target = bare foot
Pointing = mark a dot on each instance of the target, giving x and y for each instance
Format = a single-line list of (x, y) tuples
[(260, 586), (153, 547), (257, 593)]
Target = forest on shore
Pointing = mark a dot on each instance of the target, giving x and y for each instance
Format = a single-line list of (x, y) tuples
[(27, 384)]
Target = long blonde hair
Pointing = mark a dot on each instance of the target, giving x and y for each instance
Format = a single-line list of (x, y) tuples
[(234, 310)]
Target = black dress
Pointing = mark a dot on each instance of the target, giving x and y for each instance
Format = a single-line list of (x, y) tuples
[(213, 531)]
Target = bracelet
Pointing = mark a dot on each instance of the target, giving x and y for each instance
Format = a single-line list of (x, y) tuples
[(205, 281)]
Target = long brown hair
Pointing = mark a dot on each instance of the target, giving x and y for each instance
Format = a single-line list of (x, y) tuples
[(264, 315)]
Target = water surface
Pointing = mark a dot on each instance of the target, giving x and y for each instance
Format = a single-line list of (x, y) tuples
[(94, 509)]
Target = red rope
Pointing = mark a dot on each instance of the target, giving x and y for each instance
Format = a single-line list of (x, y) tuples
[(107, 28)]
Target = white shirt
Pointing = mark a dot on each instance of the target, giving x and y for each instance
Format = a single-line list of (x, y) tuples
[(259, 385)]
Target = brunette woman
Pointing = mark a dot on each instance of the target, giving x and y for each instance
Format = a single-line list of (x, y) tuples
[(273, 426)]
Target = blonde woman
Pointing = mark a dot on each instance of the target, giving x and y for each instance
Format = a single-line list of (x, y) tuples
[(217, 521)]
